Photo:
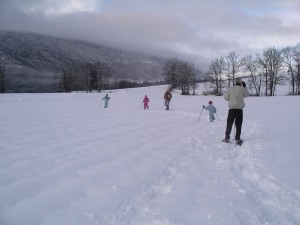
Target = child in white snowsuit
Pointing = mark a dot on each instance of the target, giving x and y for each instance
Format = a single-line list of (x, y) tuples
[(212, 110), (106, 99)]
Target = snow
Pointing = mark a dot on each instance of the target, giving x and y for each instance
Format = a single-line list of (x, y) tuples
[(64, 160)]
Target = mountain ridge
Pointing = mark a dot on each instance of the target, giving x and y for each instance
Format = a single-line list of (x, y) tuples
[(39, 52)]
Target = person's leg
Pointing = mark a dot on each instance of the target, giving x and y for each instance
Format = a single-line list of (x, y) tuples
[(211, 117), (238, 123), (167, 105), (230, 120)]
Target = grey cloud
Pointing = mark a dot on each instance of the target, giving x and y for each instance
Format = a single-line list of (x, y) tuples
[(194, 29)]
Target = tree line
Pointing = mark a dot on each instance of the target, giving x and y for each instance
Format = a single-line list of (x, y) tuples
[(182, 75), (71, 77), (267, 70)]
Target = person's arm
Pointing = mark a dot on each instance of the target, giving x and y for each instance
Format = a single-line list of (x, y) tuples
[(226, 96), (245, 92)]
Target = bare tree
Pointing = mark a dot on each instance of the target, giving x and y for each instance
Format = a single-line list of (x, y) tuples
[(251, 66), (69, 78), (262, 65), (170, 72), (104, 74), (3, 77), (272, 62), (216, 72), (290, 63), (296, 56), (98, 74), (233, 66), (181, 74), (194, 78), (184, 77)]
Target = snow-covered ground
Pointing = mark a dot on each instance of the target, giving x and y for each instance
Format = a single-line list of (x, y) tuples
[(66, 161)]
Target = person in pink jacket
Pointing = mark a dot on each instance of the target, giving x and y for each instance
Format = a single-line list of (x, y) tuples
[(146, 100)]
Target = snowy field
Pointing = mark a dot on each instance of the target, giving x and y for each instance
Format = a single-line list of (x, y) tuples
[(66, 161)]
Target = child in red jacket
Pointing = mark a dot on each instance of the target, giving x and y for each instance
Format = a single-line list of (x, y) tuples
[(146, 100)]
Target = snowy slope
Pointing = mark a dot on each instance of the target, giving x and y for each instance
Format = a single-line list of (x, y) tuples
[(64, 160), (39, 58)]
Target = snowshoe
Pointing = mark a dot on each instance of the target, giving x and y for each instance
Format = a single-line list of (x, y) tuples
[(226, 140), (239, 142)]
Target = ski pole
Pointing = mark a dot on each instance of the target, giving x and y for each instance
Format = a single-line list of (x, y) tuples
[(200, 114), (218, 117), (101, 104)]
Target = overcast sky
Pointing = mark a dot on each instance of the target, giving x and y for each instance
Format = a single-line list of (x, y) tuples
[(195, 30)]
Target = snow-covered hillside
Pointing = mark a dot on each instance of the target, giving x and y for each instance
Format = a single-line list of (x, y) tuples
[(30, 53), (66, 161)]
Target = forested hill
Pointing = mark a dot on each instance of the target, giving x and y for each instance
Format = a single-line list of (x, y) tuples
[(35, 53)]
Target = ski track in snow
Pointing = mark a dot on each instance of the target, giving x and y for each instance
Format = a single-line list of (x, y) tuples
[(134, 208), (274, 205), (271, 202), (136, 197)]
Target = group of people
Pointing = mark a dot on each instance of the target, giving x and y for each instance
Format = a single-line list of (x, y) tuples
[(234, 95), (167, 98)]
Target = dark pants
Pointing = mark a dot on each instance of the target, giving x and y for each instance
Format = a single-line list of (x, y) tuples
[(237, 116), (167, 103)]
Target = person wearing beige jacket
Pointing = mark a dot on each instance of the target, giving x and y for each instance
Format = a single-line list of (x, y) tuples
[(235, 95)]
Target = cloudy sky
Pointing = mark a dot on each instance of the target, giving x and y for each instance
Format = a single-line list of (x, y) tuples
[(195, 30)]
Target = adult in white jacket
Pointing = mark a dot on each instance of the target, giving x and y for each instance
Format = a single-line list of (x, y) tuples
[(235, 95)]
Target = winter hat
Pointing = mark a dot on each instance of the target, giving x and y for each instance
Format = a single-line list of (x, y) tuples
[(210, 102), (238, 80)]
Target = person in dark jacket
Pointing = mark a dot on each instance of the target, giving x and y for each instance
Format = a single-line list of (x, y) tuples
[(167, 98)]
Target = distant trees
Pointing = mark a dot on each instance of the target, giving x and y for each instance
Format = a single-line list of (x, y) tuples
[(251, 65), (224, 68), (69, 80), (271, 68), (97, 76), (3, 77), (121, 84), (93, 76), (288, 58), (171, 71), (181, 74), (216, 73), (272, 62), (233, 65), (296, 58)]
